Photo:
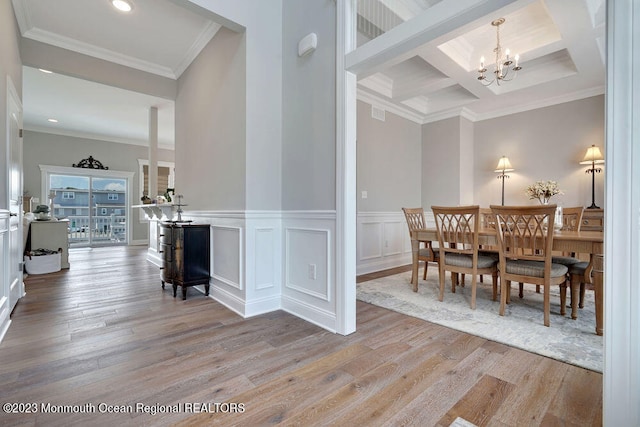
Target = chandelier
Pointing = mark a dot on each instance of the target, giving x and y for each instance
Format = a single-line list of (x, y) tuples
[(506, 69)]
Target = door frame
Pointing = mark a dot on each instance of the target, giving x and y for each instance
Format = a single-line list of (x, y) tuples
[(14, 204), (46, 170)]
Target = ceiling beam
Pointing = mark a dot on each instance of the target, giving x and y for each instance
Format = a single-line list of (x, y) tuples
[(397, 44)]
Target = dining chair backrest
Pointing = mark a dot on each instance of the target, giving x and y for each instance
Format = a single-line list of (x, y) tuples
[(415, 218), (572, 218), (524, 232), (457, 228), (487, 219)]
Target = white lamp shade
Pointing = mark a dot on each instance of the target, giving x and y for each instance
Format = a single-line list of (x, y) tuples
[(504, 165), (593, 156)]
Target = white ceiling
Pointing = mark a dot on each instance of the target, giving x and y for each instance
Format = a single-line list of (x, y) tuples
[(158, 37), (560, 42)]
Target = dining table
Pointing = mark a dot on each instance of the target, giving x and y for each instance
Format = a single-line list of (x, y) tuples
[(579, 242)]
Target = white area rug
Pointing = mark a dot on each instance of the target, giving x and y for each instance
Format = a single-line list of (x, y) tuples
[(571, 341)]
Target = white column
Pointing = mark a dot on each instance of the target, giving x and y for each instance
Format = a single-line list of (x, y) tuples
[(345, 173), (622, 217), (153, 152)]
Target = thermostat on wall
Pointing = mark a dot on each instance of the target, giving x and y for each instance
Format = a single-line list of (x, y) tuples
[(308, 44)]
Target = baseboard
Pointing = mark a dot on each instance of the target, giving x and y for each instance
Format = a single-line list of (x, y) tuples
[(322, 318), (379, 264), (144, 242)]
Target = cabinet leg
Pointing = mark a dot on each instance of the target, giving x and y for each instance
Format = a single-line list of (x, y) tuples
[(175, 290), (184, 292), (206, 290), (162, 284)]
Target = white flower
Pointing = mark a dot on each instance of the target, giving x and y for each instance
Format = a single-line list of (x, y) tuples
[(543, 191)]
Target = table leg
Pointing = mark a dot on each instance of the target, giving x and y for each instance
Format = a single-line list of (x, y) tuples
[(415, 248), (598, 281)]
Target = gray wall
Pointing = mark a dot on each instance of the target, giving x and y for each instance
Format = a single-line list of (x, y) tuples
[(457, 157), (308, 107), (441, 163), (210, 126), (389, 156), (63, 61), (10, 65), (57, 150), (542, 144)]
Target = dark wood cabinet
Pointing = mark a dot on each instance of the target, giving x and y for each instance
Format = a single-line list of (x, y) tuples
[(184, 248)]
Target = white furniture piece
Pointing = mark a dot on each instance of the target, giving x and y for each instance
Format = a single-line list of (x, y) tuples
[(51, 235)]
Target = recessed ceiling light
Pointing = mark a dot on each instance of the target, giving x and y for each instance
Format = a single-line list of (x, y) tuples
[(45, 71), (122, 5), (52, 120)]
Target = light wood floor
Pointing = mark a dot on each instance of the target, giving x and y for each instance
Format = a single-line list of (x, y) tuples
[(104, 332)]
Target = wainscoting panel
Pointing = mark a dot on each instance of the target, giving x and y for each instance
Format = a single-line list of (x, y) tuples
[(370, 240), (383, 240), (309, 266), (263, 261), (307, 263), (265, 258), (227, 255)]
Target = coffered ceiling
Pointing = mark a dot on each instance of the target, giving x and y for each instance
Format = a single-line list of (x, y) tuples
[(560, 43)]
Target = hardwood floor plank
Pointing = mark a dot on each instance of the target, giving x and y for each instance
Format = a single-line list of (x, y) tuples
[(480, 403), (104, 331)]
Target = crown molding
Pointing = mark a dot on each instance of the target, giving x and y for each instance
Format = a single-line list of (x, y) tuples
[(470, 114), (203, 39), (388, 106), (23, 15), (97, 52), (548, 102), (95, 137)]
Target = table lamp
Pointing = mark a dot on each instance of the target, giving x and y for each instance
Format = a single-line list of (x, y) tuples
[(503, 166), (593, 157)]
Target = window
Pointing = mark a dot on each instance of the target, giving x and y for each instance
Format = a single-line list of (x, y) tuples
[(112, 196), (68, 195), (103, 211)]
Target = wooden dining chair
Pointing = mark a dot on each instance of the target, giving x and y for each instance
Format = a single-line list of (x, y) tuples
[(571, 221), (415, 220), (525, 240), (459, 250)]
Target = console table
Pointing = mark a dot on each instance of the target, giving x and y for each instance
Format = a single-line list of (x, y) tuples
[(184, 250)]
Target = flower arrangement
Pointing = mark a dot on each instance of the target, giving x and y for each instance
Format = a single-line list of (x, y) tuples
[(543, 191)]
